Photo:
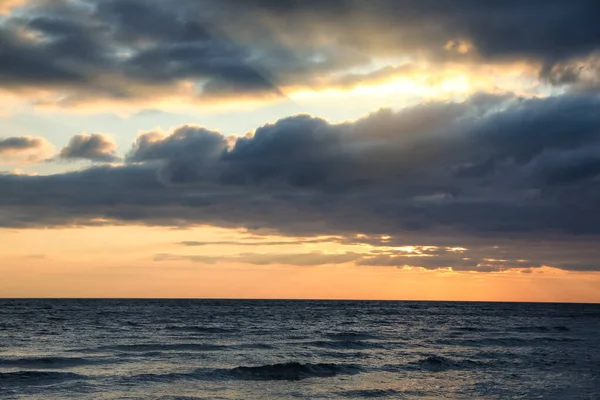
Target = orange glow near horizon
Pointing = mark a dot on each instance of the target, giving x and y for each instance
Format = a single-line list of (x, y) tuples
[(106, 262)]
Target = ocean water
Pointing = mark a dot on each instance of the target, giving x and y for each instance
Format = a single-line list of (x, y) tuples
[(236, 349)]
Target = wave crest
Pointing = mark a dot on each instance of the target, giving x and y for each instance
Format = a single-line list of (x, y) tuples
[(47, 362), (37, 377), (437, 363), (345, 344), (350, 336), (292, 371), (154, 347)]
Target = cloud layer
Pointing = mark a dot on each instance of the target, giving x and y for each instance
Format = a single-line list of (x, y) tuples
[(489, 164), (126, 50)]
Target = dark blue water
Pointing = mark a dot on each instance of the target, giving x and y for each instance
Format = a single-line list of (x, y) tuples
[(232, 349)]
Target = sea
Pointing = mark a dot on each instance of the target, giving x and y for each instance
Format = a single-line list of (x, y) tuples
[(278, 349)]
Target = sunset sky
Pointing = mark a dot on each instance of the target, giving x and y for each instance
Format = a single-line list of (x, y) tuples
[(347, 149)]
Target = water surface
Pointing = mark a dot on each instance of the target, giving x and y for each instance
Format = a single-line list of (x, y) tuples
[(246, 349)]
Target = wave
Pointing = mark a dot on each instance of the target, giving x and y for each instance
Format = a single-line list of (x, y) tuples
[(180, 398), (51, 318), (48, 362), (298, 337), (345, 344), (146, 354), (200, 329), (532, 329), (345, 355), (292, 371), (167, 377), (37, 377), (470, 329), (540, 329), (152, 347), (437, 363), (350, 336), (370, 393), (255, 346), (494, 355), (158, 349), (505, 341), (561, 328)]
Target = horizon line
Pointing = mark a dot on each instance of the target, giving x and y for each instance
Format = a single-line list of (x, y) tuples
[(298, 299)]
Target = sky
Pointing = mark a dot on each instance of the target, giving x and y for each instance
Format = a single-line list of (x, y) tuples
[(339, 149)]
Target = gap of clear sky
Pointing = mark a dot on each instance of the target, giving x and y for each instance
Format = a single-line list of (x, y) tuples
[(300, 149)]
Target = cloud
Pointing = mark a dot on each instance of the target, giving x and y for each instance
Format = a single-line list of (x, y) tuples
[(580, 74), (94, 147), (186, 148), (20, 143), (437, 149), (478, 258), (128, 51), (290, 242), (88, 52), (300, 259), (536, 28), (24, 149)]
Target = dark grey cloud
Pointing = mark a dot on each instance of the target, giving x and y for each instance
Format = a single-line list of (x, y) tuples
[(492, 167), (188, 143), (549, 30), (19, 143), (187, 152), (451, 150), (121, 49), (582, 75), (23, 148), (94, 147), (124, 48)]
